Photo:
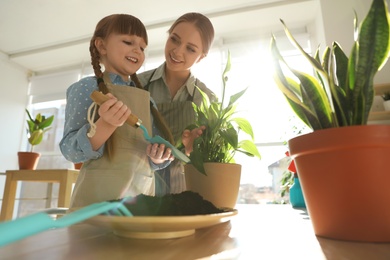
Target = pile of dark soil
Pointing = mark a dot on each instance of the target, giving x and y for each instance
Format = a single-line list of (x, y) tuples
[(181, 204)]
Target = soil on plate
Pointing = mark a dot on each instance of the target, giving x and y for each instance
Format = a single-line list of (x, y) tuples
[(180, 204)]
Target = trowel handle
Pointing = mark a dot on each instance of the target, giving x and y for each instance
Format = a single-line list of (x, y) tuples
[(100, 98)]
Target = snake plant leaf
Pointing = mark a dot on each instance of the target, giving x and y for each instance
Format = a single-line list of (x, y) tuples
[(292, 90), (315, 98), (373, 52), (312, 60), (338, 82), (341, 66), (343, 92)]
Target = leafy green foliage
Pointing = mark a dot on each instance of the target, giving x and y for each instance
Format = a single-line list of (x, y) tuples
[(220, 140), (37, 127), (341, 92)]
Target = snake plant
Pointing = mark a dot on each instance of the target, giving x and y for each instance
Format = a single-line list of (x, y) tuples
[(220, 140), (341, 92)]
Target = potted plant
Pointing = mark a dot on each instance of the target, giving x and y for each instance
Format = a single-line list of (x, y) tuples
[(290, 183), (386, 100), (36, 128), (342, 164), (212, 158)]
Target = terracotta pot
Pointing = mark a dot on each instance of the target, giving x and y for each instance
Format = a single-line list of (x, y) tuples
[(77, 166), (28, 160), (344, 174), (220, 186)]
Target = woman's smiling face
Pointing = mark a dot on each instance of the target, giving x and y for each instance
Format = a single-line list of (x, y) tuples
[(183, 48)]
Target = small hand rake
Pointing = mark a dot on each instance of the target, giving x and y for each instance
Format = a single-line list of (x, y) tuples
[(20, 228)]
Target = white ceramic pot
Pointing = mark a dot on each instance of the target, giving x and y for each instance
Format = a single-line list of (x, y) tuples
[(220, 186)]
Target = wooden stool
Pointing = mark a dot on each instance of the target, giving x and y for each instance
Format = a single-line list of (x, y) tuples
[(64, 177)]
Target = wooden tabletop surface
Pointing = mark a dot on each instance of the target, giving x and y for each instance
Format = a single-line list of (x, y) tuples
[(256, 232)]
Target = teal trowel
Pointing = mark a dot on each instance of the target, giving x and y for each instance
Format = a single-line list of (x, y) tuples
[(134, 121)]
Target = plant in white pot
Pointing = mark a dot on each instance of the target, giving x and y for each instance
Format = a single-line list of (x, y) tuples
[(212, 168), (342, 164), (36, 128)]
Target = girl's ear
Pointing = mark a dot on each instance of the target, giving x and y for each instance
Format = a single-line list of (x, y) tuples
[(100, 46)]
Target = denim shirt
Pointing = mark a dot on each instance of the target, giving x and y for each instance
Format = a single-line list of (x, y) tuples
[(75, 145)]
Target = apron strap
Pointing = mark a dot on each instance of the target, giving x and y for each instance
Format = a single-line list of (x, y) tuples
[(147, 84), (191, 98)]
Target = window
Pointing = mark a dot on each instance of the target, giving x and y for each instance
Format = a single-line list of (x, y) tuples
[(262, 104)]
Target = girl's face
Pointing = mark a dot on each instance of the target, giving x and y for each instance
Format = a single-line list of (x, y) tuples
[(183, 48), (122, 54)]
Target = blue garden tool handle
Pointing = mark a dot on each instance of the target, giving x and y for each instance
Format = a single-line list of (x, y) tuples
[(19, 228), (159, 140), (14, 230)]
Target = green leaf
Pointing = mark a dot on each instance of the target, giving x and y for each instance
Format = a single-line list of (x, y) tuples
[(244, 125), (249, 148), (37, 127), (36, 137)]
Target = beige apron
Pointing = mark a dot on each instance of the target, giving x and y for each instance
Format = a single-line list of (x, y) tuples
[(128, 173), (178, 115)]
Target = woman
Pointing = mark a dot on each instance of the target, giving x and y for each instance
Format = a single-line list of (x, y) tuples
[(172, 86)]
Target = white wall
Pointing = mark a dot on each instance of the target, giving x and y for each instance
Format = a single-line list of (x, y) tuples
[(13, 100), (336, 23)]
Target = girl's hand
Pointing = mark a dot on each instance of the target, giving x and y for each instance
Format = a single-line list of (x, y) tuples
[(114, 112), (189, 136), (158, 153)]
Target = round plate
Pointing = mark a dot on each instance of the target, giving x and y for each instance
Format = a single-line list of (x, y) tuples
[(156, 227)]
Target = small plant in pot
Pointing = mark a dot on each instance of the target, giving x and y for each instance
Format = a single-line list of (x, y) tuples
[(36, 128), (216, 147), (341, 164)]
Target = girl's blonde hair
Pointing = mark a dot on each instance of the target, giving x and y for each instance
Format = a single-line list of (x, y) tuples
[(122, 24)]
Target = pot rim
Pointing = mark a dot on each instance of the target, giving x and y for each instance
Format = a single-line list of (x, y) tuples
[(349, 137)]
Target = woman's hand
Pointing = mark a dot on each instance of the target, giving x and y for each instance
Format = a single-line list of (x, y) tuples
[(158, 153), (189, 136), (114, 112)]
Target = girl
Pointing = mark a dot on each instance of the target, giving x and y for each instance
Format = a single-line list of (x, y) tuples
[(113, 153), (172, 86)]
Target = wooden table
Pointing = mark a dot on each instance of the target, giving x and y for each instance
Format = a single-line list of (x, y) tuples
[(65, 178), (257, 232)]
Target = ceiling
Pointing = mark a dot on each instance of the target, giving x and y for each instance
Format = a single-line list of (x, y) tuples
[(43, 36)]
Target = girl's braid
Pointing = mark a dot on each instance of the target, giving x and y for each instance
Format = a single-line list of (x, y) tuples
[(95, 62), (95, 57)]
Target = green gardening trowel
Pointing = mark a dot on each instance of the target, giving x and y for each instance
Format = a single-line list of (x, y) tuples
[(134, 121)]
